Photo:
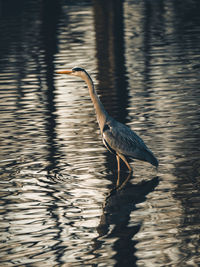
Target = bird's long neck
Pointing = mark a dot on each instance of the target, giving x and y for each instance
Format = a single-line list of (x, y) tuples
[(99, 108)]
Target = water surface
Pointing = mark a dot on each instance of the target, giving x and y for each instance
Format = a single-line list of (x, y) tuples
[(55, 174)]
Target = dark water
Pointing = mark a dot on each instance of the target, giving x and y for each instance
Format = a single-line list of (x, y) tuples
[(55, 174)]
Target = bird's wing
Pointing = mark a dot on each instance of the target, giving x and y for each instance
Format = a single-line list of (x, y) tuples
[(121, 139)]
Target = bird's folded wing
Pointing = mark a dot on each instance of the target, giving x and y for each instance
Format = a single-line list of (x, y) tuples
[(122, 139)]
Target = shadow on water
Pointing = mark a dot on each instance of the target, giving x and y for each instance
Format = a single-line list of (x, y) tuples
[(153, 15), (51, 11), (110, 57), (115, 221)]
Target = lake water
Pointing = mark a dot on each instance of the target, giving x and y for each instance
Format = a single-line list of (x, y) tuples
[(56, 175)]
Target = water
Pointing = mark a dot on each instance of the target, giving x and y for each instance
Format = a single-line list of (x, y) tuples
[(55, 174)]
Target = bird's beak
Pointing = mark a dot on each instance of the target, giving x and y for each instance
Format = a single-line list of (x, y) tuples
[(64, 72)]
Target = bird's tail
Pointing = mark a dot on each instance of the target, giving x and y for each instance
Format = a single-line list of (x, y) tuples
[(149, 157)]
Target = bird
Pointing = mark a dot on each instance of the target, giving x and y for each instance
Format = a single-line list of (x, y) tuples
[(118, 138)]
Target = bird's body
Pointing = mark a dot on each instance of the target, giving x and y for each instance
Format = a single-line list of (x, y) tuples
[(117, 137), (121, 140)]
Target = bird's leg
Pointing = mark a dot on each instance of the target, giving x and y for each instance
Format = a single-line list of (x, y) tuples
[(118, 163), (118, 169), (126, 162)]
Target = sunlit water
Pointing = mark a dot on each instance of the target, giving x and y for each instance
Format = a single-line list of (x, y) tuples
[(55, 174)]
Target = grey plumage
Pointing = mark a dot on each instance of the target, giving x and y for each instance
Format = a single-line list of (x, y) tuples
[(123, 140), (117, 137)]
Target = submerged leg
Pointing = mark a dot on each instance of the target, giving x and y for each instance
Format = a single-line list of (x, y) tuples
[(126, 162)]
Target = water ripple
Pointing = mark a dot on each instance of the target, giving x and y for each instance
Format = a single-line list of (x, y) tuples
[(57, 203)]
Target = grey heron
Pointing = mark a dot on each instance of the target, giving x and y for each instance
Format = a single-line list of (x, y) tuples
[(117, 137)]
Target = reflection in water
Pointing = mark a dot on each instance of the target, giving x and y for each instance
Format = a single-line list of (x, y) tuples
[(110, 55), (112, 225), (51, 12), (54, 171)]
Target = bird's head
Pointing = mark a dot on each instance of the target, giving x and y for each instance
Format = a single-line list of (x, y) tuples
[(76, 71)]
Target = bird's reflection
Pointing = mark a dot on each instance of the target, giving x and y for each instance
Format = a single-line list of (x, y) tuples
[(115, 220), (120, 203), (119, 185)]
